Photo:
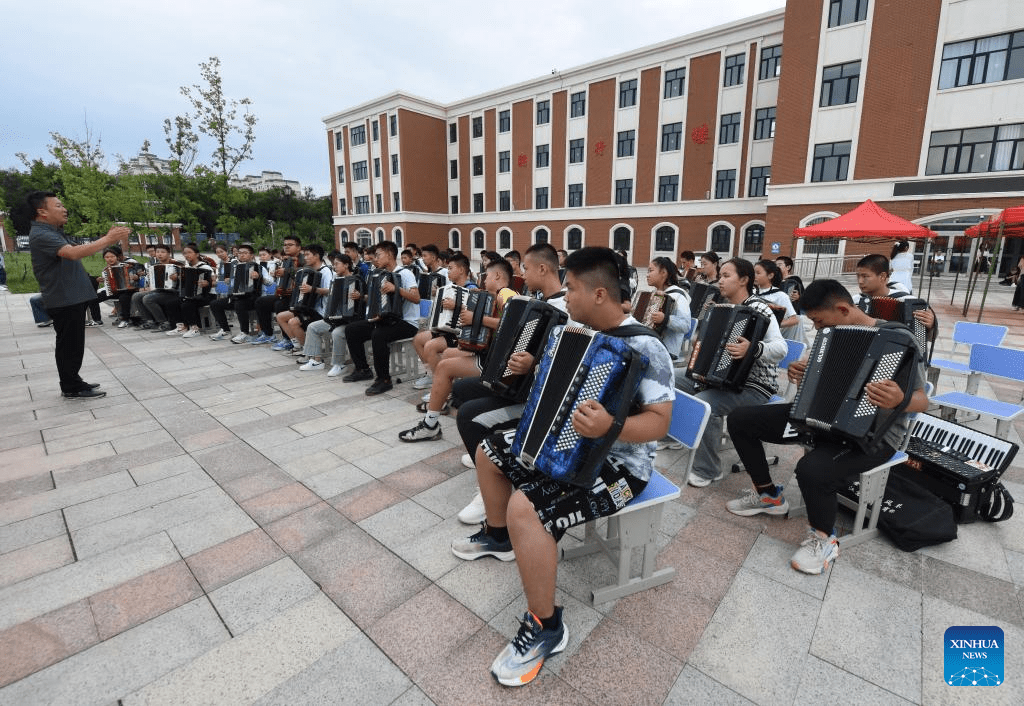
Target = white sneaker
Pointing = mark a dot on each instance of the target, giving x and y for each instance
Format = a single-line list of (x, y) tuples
[(424, 382), (335, 371), (815, 553), (191, 333), (701, 482), (220, 335), (474, 513), (240, 338), (176, 331), (425, 398), (467, 461), (312, 365)]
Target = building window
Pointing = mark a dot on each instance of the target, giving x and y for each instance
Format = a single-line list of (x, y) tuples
[(764, 123), (376, 130), (504, 161), (624, 148), (771, 62), (479, 239), (978, 149), (478, 203), (455, 240), (760, 177), (453, 169), (668, 188), (396, 202), (843, 12), (478, 127), (504, 121), (342, 207), (734, 70), (504, 239), (839, 84), (543, 156), (622, 239), (541, 236), (543, 112), (576, 151), (358, 135), (627, 93), (665, 239), (831, 161), (675, 82), (753, 238), (984, 60), (478, 165), (721, 239), (393, 126), (623, 191), (575, 195), (578, 105), (398, 237), (574, 239), (542, 197), (453, 132), (338, 144), (394, 164), (454, 204), (359, 170), (379, 201), (505, 200), (362, 204), (341, 174), (376, 167), (725, 184), (671, 137), (729, 129)]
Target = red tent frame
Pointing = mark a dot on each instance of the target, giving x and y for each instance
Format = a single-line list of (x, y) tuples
[(1008, 223)]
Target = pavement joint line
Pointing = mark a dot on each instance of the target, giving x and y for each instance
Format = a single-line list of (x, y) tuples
[(67, 531)]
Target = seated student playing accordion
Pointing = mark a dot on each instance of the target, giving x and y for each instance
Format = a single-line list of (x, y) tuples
[(309, 300), (192, 302), (430, 345), (318, 332), (664, 277), (247, 280)]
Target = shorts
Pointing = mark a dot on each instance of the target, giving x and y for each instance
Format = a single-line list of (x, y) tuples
[(560, 505)]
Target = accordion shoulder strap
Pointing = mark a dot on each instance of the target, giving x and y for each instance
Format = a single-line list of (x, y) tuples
[(630, 330)]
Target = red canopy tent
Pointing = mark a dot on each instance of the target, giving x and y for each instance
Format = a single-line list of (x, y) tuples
[(1008, 223), (869, 220)]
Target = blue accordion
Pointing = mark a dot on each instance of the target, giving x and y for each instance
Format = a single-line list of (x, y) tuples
[(581, 365)]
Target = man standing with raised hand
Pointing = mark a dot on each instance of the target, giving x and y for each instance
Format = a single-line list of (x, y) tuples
[(65, 285)]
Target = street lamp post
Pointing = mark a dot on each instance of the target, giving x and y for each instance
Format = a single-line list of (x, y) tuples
[(273, 243)]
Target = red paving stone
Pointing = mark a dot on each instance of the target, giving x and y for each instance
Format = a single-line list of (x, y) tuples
[(415, 479), (122, 607), (368, 499), (307, 527), (38, 643), (227, 561), (278, 503)]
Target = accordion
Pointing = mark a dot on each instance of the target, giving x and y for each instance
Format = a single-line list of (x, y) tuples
[(443, 320), (648, 303), (116, 280), (582, 365), (901, 310), (300, 303), (525, 326), (242, 283), (428, 284), (382, 307), (159, 276), (286, 282), (831, 399), (710, 362), (341, 308), (475, 336), (190, 279), (702, 296)]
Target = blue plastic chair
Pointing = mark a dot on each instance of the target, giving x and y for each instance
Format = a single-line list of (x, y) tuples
[(969, 334), (689, 417), (997, 361)]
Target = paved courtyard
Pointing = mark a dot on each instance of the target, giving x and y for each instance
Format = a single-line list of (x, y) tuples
[(223, 528)]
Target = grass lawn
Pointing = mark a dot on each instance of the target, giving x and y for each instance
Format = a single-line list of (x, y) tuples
[(20, 279)]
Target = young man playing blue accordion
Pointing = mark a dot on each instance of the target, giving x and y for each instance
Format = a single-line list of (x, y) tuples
[(528, 511)]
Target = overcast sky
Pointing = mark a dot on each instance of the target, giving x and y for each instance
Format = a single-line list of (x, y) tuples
[(118, 64)]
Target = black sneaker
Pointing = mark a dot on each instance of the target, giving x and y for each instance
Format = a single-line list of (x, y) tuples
[(87, 393), (421, 432), (357, 375), (380, 386), (520, 662), (483, 544)]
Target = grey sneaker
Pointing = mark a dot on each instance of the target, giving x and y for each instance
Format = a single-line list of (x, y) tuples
[(752, 503), (220, 335), (239, 338), (482, 544), (424, 382), (815, 554), (520, 662), (421, 432)]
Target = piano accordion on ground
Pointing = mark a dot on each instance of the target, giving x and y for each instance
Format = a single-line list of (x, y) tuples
[(341, 308), (832, 399), (304, 303), (584, 365), (711, 364), (525, 326), (649, 303)]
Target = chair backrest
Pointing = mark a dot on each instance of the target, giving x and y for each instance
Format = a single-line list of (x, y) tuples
[(971, 333), (689, 417), (997, 360), (425, 308), (796, 349)]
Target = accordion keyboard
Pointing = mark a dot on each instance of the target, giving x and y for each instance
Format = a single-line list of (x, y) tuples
[(955, 444)]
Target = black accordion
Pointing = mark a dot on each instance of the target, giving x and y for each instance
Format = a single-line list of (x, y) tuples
[(428, 284), (300, 303), (702, 297), (242, 282), (443, 320), (710, 362), (475, 336), (190, 281), (525, 326), (341, 308), (381, 307), (901, 310), (650, 302), (286, 280), (832, 401), (583, 365), (159, 276)]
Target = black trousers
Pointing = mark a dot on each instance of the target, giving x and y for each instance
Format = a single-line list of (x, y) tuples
[(266, 307), (820, 473), (69, 325), (481, 412), (358, 333), (242, 306), (190, 310)]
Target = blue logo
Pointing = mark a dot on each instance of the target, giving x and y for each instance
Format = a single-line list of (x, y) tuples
[(973, 655)]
